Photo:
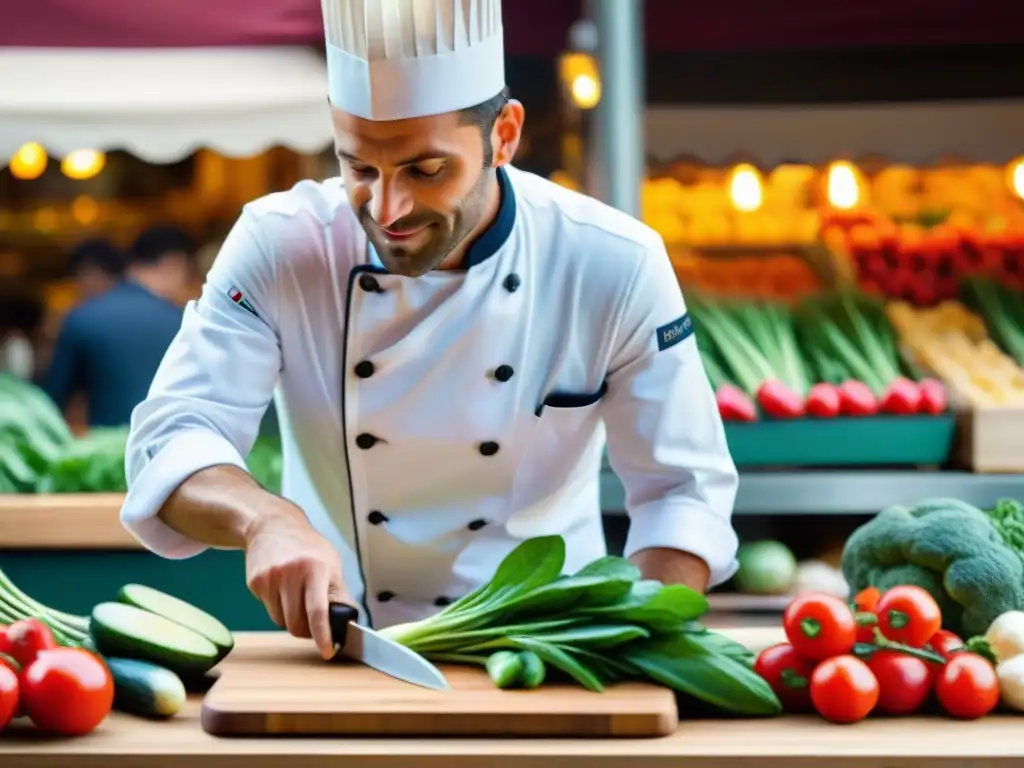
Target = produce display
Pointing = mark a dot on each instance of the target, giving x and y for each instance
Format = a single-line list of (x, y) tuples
[(768, 567), (922, 261), (598, 626), (39, 454), (885, 653), (975, 346), (826, 356), (969, 560), (139, 654)]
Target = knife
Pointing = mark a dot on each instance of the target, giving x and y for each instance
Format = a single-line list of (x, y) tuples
[(364, 645)]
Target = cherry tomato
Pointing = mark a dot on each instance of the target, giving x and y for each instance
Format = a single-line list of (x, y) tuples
[(788, 674), (819, 626), (8, 695), (945, 642), (26, 638), (904, 682), (866, 603), (867, 599), (908, 614), (967, 687), (67, 691), (844, 689)]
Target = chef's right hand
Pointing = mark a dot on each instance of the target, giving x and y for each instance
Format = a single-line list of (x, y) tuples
[(296, 573)]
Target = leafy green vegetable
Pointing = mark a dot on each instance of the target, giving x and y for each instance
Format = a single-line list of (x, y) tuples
[(599, 626)]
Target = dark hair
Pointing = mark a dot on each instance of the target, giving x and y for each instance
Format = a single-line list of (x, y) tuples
[(484, 115), (156, 242), (99, 254)]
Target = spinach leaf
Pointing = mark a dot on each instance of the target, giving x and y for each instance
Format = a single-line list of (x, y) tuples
[(681, 663)]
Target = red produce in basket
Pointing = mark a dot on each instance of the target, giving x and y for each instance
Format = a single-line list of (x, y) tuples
[(933, 397), (823, 401), (903, 397), (779, 401), (857, 399), (734, 404)]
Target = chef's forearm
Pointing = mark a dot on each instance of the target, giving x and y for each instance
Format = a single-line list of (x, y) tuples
[(673, 566), (219, 506)]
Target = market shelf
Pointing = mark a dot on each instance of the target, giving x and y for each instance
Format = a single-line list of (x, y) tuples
[(86, 521), (852, 492), (90, 521)]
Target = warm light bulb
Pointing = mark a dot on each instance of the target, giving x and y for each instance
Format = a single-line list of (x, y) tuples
[(745, 189), (83, 164), (28, 162), (585, 91), (843, 190), (1017, 178)]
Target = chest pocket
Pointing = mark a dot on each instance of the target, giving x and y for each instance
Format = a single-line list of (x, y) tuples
[(557, 459)]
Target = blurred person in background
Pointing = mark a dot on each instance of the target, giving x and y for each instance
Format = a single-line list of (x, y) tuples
[(96, 267), (110, 346), (20, 320)]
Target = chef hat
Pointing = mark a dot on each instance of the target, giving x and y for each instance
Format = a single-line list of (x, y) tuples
[(396, 59)]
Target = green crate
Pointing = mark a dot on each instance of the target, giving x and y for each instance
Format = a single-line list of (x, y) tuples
[(865, 441)]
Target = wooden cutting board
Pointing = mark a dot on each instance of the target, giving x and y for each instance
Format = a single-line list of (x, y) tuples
[(287, 689)]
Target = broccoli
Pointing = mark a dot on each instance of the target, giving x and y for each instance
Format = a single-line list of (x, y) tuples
[(971, 561)]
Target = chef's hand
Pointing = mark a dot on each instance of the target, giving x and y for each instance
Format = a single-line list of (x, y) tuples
[(296, 573)]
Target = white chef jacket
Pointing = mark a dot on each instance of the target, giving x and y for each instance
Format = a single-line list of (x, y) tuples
[(430, 424)]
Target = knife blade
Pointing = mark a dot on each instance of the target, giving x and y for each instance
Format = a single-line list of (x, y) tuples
[(362, 644)]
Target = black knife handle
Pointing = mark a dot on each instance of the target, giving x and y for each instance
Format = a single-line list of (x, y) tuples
[(339, 616)]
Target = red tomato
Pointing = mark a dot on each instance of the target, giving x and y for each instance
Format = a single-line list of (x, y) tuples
[(788, 674), (967, 687), (67, 691), (945, 642), (909, 615), (8, 695), (819, 626), (904, 682), (26, 638), (844, 689)]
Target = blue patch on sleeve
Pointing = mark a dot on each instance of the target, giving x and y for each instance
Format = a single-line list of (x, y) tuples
[(672, 333)]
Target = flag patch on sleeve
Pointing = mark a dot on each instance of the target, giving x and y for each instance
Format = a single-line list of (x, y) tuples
[(239, 298), (672, 333)]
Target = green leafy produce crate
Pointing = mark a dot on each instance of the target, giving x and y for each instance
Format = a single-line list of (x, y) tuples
[(874, 441)]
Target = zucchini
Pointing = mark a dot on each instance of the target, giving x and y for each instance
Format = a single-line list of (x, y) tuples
[(504, 668), (533, 669), (180, 612), (123, 630), (145, 689)]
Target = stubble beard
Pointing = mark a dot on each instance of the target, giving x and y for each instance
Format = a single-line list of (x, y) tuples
[(408, 263)]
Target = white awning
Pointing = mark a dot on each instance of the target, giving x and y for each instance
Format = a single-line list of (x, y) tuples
[(163, 104), (914, 132)]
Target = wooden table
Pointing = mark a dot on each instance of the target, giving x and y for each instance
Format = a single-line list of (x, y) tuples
[(123, 742)]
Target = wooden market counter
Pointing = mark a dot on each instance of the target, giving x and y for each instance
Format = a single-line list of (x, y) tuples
[(67, 521), (124, 742)]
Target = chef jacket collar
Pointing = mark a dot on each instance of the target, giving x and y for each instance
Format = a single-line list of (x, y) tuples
[(492, 238)]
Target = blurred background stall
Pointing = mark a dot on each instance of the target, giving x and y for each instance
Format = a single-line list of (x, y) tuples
[(858, 168)]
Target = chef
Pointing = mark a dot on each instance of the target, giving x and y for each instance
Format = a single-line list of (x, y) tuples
[(451, 344)]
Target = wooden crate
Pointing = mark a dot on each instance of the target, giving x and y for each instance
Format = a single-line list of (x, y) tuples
[(991, 440)]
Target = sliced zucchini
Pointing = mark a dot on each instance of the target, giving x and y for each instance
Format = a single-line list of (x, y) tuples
[(177, 610), (123, 630), (145, 689)]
